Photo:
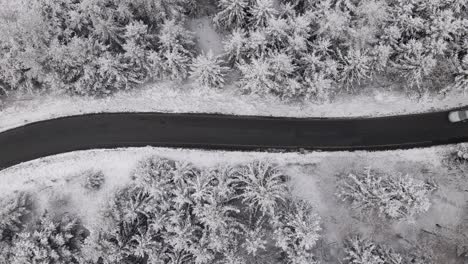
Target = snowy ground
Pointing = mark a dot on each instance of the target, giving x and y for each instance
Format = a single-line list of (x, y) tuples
[(314, 176), (174, 98)]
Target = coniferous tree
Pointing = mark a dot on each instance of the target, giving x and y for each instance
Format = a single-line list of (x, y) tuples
[(262, 186), (257, 77), (297, 231), (207, 71), (261, 11), (49, 241), (233, 14), (235, 46), (396, 197)]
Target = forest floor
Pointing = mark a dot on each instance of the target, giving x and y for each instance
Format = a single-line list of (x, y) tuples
[(314, 176)]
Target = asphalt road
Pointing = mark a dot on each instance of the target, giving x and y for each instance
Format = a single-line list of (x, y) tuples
[(225, 132)]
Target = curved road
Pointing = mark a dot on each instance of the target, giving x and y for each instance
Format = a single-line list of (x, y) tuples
[(225, 132)]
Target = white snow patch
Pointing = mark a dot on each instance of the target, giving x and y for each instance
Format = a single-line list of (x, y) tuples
[(206, 35)]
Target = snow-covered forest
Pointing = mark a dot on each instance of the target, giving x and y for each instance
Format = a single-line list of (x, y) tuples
[(171, 212), (408, 207), (294, 58), (292, 49)]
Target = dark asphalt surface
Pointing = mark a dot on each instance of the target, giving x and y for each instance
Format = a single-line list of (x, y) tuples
[(225, 132)]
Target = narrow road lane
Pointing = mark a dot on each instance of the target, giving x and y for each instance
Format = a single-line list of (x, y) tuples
[(225, 132)]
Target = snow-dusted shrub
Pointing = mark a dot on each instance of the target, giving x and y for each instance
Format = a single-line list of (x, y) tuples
[(393, 196), (49, 240), (232, 14), (207, 70), (456, 156), (93, 179), (462, 154)]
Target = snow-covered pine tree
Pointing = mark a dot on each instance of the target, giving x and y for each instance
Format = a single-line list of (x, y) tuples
[(233, 14), (153, 12), (207, 70), (282, 67), (292, 89), (281, 64), (174, 37), (232, 256), (355, 66), (359, 250), (21, 49), (262, 186), (90, 47), (318, 87), (300, 5), (332, 22), (235, 46), (255, 235), (138, 45), (396, 197), (134, 222), (257, 77), (258, 44), (415, 63), (50, 240), (261, 11), (278, 32), (15, 211), (381, 57), (297, 231), (174, 65)]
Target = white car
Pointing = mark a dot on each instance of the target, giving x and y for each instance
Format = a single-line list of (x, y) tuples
[(458, 116)]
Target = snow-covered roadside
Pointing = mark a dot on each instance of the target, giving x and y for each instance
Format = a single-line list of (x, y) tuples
[(309, 171), (118, 163), (173, 98)]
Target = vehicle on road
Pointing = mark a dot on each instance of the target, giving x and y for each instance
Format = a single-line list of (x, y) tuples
[(458, 116)]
